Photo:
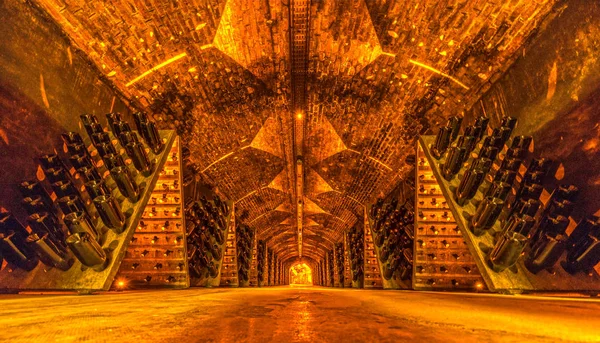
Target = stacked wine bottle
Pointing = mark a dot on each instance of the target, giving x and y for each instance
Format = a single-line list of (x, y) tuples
[(340, 265), (356, 245), (95, 183), (393, 229), (330, 268), (261, 257), (270, 266), (245, 242), (206, 223), (532, 227)]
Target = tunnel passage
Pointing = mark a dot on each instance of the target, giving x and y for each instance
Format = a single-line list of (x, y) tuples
[(298, 116)]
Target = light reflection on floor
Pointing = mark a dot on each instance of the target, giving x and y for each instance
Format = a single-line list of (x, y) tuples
[(295, 314)]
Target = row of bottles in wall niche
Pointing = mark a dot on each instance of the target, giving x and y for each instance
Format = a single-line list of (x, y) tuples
[(529, 227), (261, 261), (393, 228), (339, 263), (356, 245), (245, 242), (72, 205), (207, 225), (330, 268)]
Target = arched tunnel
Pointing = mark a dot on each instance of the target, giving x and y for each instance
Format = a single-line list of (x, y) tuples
[(417, 170)]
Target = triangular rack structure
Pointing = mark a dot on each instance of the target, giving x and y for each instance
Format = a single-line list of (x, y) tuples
[(442, 259), (373, 277), (157, 254), (87, 280), (517, 280), (229, 266)]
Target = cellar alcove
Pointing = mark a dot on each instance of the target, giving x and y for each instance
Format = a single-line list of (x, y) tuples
[(239, 145)]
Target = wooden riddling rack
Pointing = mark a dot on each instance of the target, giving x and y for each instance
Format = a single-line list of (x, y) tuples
[(442, 259), (336, 271), (253, 273), (373, 278), (157, 254), (78, 277), (519, 279), (348, 283), (207, 280), (392, 283), (229, 267)]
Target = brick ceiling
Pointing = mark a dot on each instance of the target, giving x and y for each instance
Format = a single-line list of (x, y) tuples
[(379, 73)]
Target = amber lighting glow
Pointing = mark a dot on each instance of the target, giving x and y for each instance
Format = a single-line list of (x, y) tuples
[(439, 73), (301, 274), (155, 68)]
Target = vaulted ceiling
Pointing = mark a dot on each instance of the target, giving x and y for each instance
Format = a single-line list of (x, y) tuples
[(378, 73)]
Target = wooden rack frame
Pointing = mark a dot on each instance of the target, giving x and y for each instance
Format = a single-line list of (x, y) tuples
[(520, 280), (78, 277)]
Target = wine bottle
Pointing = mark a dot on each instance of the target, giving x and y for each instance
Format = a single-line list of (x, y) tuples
[(77, 149), (111, 118), (516, 153), (511, 164), (79, 222), (152, 136), (442, 141), (119, 128), (49, 161), (498, 189), (489, 152), (36, 204), (42, 223), (89, 174), (552, 226), (50, 253), (105, 149), (96, 188), (112, 161), (520, 223), (507, 251), (110, 212), (486, 215), (585, 227), (88, 251), (80, 161), (33, 188), (507, 176), (583, 256), (139, 157), (482, 122), (64, 188), (545, 253), (454, 123), (128, 137), (453, 163), (71, 138), (521, 142), (16, 251), (57, 174), (126, 183), (468, 186)]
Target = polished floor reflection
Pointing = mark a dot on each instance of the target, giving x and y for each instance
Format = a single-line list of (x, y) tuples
[(295, 314)]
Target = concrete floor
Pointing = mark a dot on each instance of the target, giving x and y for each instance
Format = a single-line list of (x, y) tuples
[(291, 314)]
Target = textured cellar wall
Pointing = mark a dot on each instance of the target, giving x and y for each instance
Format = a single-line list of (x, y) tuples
[(45, 84), (380, 72), (554, 91)]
